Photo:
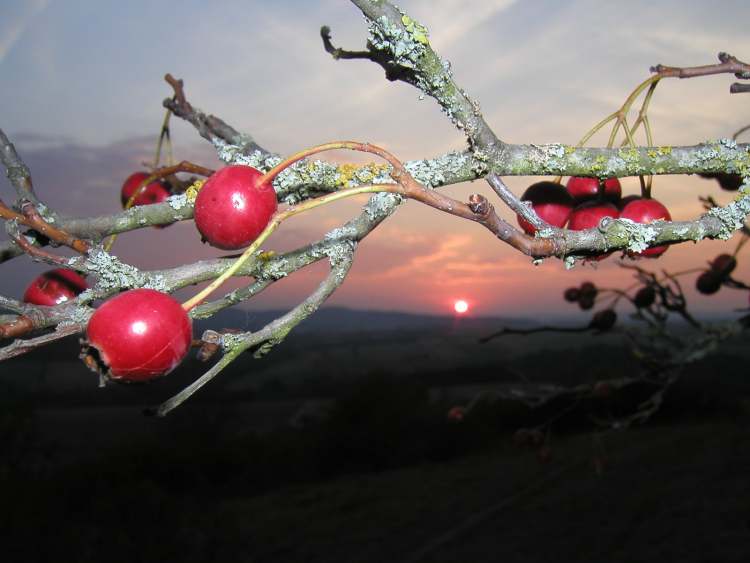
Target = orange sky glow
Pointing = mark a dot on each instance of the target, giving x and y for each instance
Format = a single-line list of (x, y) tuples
[(542, 72)]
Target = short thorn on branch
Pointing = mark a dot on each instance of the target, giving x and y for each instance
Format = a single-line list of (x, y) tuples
[(179, 93)]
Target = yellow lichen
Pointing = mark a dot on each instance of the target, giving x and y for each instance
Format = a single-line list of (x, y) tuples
[(192, 192)]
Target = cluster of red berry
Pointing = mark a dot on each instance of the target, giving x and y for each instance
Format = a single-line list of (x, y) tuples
[(142, 333), (584, 202)]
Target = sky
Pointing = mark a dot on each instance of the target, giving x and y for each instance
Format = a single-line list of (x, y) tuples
[(82, 87)]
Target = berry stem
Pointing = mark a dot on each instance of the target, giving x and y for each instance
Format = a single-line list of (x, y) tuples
[(157, 174), (164, 134), (274, 223)]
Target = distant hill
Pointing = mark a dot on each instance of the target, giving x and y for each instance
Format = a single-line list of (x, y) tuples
[(341, 319)]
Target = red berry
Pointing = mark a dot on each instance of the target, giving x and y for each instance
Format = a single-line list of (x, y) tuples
[(624, 201), (155, 192), (587, 215), (582, 188), (139, 335), (54, 287), (550, 201), (233, 208), (647, 211)]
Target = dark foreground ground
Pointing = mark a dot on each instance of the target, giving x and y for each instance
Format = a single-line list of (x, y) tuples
[(409, 488), (385, 476)]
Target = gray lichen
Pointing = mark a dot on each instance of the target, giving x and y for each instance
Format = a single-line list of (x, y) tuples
[(113, 274), (405, 46), (381, 205), (733, 215), (639, 236), (178, 201), (432, 173), (237, 154)]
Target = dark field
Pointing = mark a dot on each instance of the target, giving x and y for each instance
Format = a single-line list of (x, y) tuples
[(249, 471)]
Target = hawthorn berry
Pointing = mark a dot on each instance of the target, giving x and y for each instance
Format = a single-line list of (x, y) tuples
[(233, 207), (582, 188), (723, 265), (729, 182), (138, 335), (645, 297), (603, 320), (708, 282), (647, 211), (155, 192), (587, 295), (572, 294), (588, 215), (54, 287), (550, 201)]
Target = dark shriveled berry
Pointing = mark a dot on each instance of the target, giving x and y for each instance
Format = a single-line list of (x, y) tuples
[(603, 320), (645, 297), (572, 294), (723, 265), (708, 283)]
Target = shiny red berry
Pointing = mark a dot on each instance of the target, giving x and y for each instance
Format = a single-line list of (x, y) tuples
[(647, 211), (588, 215), (581, 188), (139, 335), (155, 192), (233, 207), (550, 201), (54, 287)]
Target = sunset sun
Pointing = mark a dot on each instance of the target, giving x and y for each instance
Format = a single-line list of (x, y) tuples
[(460, 306)]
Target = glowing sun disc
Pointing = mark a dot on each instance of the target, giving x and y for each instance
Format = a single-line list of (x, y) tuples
[(460, 306)]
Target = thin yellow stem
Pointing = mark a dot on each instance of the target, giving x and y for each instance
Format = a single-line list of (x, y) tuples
[(613, 134), (595, 129)]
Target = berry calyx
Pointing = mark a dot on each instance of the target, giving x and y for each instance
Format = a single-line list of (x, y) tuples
[(647, 211), (234, 206), (154, 192), (137, 336), (54, 287), (582, 188), (550, 201)]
